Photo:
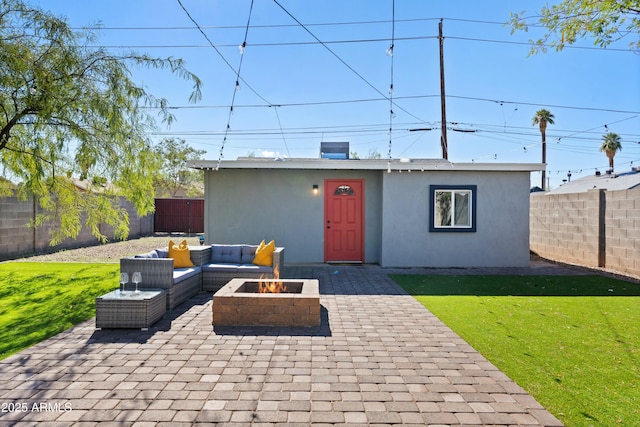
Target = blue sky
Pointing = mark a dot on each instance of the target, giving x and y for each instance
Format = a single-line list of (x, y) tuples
[(296, 92)]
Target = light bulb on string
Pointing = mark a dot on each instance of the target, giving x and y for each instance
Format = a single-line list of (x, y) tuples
[(242, 47), (390, 50), (391, 88), (237, 86)]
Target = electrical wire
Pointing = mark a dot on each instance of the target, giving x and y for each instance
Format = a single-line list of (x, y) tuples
[(317, 24), (218, 51), (356, 73), (476, 129), (236, 89)]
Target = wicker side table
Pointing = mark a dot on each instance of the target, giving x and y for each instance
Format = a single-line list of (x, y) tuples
[(129, 309)]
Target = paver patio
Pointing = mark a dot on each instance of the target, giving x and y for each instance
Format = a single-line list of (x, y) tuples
[(378, 358)]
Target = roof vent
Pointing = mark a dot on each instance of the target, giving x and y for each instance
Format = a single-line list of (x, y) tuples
[(334, 150)]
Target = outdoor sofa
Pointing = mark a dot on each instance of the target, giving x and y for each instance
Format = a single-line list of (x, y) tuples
[(157, 272), (234, 261), (214, 266)]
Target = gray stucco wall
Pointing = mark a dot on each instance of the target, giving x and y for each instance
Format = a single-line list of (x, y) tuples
[(249, 205), (502, 218)]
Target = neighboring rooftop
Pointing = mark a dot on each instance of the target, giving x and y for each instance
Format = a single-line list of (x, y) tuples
[(611, 182)]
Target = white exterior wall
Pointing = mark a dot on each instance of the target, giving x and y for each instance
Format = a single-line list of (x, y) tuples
[(502, 221)]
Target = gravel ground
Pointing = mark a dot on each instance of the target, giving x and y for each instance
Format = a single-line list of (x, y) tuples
[(112, 252)]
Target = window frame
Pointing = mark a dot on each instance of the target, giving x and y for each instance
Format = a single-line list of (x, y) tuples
[(433, 189)]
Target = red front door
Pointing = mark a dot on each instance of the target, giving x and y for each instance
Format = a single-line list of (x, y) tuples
[(343, 216)]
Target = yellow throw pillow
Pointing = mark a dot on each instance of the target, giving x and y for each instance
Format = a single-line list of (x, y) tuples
[(264, 254), (180, 254)]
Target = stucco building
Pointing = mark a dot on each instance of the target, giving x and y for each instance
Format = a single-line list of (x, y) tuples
[(400, 213)]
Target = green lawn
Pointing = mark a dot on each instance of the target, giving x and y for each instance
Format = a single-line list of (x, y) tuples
[(39, 300), (571, 342)]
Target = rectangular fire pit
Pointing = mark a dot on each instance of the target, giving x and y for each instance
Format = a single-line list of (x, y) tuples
[(271, 302)]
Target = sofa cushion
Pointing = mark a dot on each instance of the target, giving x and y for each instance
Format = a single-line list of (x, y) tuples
[(180, 274), (264, 254), (162, 253), (152, 254), (255, 269), (248, 253), (220, 267), (180, 254), (226, 253)]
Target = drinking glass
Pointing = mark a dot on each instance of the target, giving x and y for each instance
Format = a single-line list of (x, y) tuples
[(124, 279), (137, 278)]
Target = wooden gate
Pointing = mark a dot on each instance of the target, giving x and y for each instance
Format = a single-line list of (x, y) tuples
[(179, 216)]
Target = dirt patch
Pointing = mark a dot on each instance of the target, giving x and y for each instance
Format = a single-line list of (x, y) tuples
[(112, 252)]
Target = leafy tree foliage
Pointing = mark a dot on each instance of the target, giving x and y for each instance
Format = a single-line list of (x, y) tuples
[(371, 154), (174, 174), (69, 111), (569, 20)]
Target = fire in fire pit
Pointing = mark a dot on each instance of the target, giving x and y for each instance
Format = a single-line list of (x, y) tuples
[(273, 302), (275, 286)]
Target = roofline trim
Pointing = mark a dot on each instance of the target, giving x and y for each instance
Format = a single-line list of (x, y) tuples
[(364, 164)]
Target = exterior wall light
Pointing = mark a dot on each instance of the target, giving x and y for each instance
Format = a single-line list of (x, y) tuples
[(315, 189)]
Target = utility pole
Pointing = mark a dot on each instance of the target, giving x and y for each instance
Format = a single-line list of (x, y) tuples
[(443, 137)]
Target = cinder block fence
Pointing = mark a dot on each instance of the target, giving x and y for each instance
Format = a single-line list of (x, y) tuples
[(17, 240), (598, 228)]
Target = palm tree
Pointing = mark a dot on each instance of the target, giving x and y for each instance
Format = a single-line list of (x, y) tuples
[(611, 145), (542, 118)]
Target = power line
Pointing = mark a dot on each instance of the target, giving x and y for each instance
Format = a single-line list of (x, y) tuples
[(608, 49), (269, 44), (316, 24), (340, 59), (608, 110), (218, 51)]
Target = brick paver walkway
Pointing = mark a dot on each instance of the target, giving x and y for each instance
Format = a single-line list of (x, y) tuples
[(378, 358)]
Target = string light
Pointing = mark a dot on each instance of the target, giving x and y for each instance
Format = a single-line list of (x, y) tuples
[(236, 89), (390, 50), (390, 54)]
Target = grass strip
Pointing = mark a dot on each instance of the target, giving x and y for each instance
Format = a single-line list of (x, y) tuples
[(570, 341), (40, 300)]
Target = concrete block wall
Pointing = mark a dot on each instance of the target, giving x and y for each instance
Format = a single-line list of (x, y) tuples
[(595, 229), (565, 227), (17, 239), (622, 231)]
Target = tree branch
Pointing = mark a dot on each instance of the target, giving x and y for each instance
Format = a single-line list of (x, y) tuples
[(5, 132), (30, 153)]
